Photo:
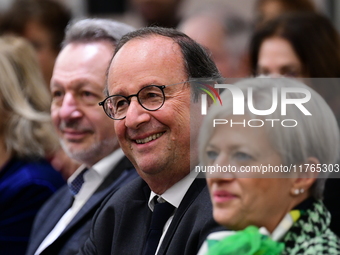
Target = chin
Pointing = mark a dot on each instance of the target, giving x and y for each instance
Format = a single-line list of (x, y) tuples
[(223, 218)]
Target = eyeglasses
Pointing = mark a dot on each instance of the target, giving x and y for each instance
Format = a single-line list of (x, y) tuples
[(150, 97)]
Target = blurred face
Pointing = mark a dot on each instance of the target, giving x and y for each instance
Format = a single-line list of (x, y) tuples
[(277, 58), (85, 132), (210, 34), (156, 10), (157, 142), (41, 39), (240, 202), (270, 10)]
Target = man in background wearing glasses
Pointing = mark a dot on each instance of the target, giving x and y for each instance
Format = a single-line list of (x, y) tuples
[(149, 100), (86, 135)]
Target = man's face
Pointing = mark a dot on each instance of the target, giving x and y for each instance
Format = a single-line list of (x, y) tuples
[(77, 84), (157, 142)]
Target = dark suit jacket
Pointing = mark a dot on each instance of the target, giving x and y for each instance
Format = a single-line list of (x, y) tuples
[(25, 185), (121, 224), (76, 233)]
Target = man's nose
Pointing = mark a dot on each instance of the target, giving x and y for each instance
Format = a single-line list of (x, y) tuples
[(136, 115), (70, 108)]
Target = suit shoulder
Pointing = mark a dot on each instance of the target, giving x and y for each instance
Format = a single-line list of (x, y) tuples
[(130, 191)]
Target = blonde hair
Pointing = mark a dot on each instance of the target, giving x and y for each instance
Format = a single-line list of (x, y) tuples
[(26, 125)]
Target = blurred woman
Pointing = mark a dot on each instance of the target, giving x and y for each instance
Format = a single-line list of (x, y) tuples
[(280, 212), (296, 45), (27, 137)]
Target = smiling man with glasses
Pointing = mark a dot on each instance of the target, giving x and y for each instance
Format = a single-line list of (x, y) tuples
[(150, 97), (151, 104)]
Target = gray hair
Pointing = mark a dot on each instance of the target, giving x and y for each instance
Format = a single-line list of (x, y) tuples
[(91, 30), (314, 136)]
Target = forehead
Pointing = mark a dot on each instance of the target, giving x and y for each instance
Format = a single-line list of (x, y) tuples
[(83, 61), (152, 60), (276, 50), (84, 53)]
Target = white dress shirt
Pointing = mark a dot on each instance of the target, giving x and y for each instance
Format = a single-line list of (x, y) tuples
[(93, 178), (174, 196)]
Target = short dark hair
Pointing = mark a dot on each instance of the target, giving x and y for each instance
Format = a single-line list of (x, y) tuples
[(312, 36), (197, 62), (48, 13)]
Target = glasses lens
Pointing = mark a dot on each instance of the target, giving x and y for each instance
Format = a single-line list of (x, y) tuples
[(151, 97), (116, 107)]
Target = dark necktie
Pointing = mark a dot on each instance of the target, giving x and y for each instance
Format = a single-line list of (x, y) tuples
[(161, 213), (76, 184)]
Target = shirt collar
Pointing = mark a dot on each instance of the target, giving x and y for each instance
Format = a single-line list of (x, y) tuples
[(102, 167), (174, 194)]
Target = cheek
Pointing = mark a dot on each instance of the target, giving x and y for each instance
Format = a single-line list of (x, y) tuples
[(119, 128), (55, 115)]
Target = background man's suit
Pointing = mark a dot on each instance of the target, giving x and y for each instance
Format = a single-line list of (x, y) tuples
[(121, 224), (76, 233)]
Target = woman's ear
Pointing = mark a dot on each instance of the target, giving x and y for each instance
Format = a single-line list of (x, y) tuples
[(307, 176)]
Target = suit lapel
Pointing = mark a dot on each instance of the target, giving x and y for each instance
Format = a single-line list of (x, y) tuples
[(54, 215), (117, 177), (192, 193)]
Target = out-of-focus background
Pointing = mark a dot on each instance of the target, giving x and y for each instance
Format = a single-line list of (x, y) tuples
[(126, 9), (120, 8)]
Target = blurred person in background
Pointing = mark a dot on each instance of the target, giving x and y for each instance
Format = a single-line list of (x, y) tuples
[(277, 212), (266, 10), (224, 34), (27, 138), (306, 43), (43, 23), (303, 45), (161, 13), (86, 135)]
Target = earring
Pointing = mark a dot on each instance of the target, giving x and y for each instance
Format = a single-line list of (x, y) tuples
[(297, 192), (301, 191)]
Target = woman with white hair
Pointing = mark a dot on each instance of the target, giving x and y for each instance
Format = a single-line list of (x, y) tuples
[(278, 160)]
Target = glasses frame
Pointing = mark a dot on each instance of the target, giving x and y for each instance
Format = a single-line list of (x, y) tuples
[(128, 98), (161, 87)]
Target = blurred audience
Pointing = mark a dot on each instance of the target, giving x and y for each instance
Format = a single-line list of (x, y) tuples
[(224, 34), (141, 13), (162, 13), (27, 137), (266, 10), (279, 212), (43, 23), (296, 45)]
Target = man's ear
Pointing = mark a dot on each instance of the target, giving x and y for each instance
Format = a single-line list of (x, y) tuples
[(307, 176)]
